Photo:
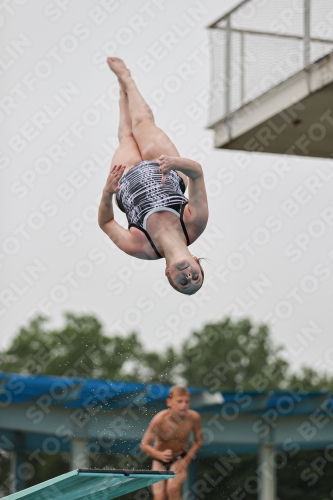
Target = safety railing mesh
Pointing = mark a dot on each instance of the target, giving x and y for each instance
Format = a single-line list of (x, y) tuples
[(262, 43)]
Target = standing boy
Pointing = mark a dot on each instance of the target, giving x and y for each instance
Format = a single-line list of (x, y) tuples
[(166, 440)]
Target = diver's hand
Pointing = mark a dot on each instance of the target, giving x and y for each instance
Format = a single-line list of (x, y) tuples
[(166, 455), (114, 176), (166, 165), (180, 468)]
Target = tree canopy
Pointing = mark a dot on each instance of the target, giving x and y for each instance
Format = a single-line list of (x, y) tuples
[(228, 355), (222, 355), (81, 349)]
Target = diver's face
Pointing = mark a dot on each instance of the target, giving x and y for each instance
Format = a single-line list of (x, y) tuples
[(179, 404), (186, 275)]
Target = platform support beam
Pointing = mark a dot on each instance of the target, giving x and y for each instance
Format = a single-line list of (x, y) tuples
[(79, 455), (17, 471), (267, 472)]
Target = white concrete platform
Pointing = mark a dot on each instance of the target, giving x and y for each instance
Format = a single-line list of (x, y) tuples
[(295, 117)]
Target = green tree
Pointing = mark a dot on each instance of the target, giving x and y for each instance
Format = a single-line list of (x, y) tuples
[(310, 380), (233, 355), (79, 349), (163, 368)]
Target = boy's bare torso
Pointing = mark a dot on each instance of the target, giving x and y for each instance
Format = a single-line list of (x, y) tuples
[(173, 432)]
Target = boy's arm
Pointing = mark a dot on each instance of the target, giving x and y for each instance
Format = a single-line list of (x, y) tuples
[(197, 196), (147, 441), (198, 440)]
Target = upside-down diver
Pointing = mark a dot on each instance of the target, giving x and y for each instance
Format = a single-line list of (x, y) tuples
[(149, 178)]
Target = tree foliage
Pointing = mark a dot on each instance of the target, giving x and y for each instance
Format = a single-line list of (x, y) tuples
[(311, 380), (79, 349), (228, 355), (223, 355)]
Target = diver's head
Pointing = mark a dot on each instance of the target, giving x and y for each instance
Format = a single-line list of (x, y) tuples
[(185, 275)]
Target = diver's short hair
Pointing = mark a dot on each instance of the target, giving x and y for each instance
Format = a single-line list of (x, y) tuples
[(180, 389)]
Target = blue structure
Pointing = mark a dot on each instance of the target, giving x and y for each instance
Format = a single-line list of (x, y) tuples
[(49, 414)]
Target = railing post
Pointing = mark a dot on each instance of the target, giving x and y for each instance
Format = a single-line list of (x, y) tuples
[(227, 65), (306, 39), (242, 70)]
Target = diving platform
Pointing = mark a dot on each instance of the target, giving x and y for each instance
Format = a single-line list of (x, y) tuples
[(92, 484), (292, 118), (272, 78)]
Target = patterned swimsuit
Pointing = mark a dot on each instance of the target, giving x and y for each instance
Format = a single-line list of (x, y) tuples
[(142, 194)]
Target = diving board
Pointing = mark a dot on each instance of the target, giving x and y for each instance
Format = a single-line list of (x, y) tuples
[(92, 484)]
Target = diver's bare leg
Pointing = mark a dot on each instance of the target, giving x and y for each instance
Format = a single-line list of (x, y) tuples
[(151, 140), (128, 152)]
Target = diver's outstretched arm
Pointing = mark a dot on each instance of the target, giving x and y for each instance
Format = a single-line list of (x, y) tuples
[(120, 236), (105, 212), (192, 169)]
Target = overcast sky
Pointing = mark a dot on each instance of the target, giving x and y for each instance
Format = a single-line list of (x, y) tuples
[(58, 117)]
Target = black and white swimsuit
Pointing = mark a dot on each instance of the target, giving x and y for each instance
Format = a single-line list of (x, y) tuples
[(142, 194)]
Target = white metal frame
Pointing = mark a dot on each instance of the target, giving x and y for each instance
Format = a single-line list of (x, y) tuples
[(227, 27)]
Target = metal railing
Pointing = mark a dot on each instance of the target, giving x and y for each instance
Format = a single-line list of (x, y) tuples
[(261, 43)]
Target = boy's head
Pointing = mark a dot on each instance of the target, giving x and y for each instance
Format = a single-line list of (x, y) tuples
[(178, 400)]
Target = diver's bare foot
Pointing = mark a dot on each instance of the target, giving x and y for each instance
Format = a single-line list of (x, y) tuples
[(118, 66)]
